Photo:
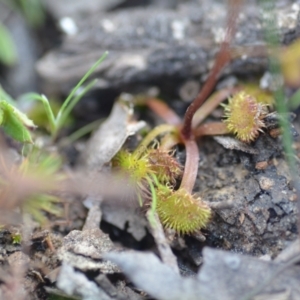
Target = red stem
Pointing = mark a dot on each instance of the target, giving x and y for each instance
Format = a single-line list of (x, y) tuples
[(213, 128), (222, 59), (191, 165), (211, 103), (163, 111)]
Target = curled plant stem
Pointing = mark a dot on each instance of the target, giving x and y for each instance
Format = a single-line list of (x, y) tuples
[(213, 128), (169, 141), (163, 111), (211, 103), (191, 165), (222, 59), (151, 136)]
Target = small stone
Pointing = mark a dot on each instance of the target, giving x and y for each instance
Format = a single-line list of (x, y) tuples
[(293, 197), (261, 165), (274, 133), (256, 210), (18, 260), (266, 183)]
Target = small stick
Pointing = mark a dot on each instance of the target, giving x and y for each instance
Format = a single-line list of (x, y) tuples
[(93, 218), (50, 244), (163, 246)]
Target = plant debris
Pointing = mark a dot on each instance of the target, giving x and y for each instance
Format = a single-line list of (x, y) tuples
[(224, 275), (160, 200)]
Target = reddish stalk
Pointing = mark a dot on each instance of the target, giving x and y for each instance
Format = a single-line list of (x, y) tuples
[(191, 165), (222, 59), (169, 141), (211, 103), (186, 134), (163, 111), (213, 128)]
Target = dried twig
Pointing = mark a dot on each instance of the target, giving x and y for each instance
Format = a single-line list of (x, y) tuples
[(163, 246)]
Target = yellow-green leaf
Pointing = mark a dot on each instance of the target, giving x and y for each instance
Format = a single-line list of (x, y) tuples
[(15, 123), (8, 54)]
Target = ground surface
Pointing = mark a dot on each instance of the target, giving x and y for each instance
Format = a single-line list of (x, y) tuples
[(106, 251)]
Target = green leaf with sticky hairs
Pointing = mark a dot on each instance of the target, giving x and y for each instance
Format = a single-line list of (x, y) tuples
[(181, 211), (165, 167), (135, 166), (244, 116)]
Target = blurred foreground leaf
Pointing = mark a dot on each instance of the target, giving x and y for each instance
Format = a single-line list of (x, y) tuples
[(33, 11), (46, 166), (294, 101), (15, 123), (290, 64), (30, 185), (8, 54)]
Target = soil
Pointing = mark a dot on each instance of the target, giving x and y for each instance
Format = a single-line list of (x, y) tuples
[(103, 247), (264, 217)]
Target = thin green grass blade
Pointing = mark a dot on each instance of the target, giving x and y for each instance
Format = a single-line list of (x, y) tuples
[(79, 84), (61, 120), (81, 132), (48, 109), (272, 38), (271, 35), (294, 101)]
